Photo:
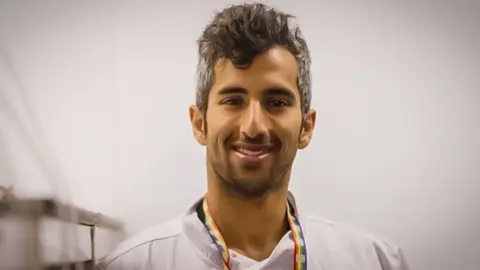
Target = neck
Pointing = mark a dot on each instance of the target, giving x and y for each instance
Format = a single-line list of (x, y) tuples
[(252, 227)]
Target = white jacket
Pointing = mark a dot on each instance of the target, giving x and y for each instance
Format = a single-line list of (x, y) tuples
[(184, 244)]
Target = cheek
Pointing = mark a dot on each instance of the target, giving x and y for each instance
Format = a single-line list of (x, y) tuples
[(291, 139), (219, 130), (289, 130)]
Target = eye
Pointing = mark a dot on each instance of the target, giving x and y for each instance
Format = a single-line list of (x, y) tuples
[(277, 103), (234, 101)]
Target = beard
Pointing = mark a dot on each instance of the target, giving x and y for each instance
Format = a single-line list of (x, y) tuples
[(235, 185), (246, 188)]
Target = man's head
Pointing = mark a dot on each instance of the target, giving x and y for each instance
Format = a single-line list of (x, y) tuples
[(253, 97)]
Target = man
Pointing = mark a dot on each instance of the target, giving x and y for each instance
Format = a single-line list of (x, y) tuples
[(252, 114)]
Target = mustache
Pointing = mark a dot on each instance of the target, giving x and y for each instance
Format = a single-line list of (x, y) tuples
[(260, 139)]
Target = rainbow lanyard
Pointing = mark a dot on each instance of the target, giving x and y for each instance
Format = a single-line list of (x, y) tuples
[(300, 251)]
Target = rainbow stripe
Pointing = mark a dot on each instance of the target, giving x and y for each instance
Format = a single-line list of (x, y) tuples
[(300, 250), (216, 236)]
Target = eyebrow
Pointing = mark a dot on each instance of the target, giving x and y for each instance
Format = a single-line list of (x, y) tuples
[(269, 91), (281, 92), (232, 90)]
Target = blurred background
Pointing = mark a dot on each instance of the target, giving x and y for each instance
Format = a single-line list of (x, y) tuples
[(105, 87)]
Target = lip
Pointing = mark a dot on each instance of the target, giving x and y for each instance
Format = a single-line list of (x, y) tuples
[(252, 153)]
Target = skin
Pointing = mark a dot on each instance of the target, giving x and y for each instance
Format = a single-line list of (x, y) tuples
[(254, 108)]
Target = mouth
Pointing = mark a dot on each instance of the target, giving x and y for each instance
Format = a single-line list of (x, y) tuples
[(252, 153)]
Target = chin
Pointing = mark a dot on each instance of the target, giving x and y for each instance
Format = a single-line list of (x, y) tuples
[(253, 186), (251, 191), (253, 176)]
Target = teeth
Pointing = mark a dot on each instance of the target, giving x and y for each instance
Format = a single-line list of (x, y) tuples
[(250, 152)]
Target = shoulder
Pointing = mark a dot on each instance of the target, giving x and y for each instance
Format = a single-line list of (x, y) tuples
[(136, 249), (336, 230), (336, 237)]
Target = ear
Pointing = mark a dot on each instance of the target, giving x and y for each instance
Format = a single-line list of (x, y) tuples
[(198, 124), (307, 129)]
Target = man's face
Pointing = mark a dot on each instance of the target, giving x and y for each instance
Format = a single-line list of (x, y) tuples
[(254, 123)]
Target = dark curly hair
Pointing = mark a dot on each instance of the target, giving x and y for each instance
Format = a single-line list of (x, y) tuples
[(241, 32)]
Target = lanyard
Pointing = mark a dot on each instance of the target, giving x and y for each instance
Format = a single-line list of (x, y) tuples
[(300, 251)]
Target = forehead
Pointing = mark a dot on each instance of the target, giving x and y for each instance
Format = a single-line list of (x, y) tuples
[(275, 68)]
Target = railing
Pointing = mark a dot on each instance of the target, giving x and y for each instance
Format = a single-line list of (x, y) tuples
[(31, 211)]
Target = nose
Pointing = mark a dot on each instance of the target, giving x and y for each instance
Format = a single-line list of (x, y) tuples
[(254, 126)]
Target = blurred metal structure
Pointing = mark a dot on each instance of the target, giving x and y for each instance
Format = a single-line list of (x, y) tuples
[(32, 211)]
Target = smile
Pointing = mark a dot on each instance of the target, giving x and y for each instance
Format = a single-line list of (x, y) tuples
[(252, 153), (249, 152)]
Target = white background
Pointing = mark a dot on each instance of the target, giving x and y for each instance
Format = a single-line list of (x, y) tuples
[(396, 85)]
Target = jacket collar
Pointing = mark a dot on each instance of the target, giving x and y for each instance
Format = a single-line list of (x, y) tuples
[(196, 232)]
